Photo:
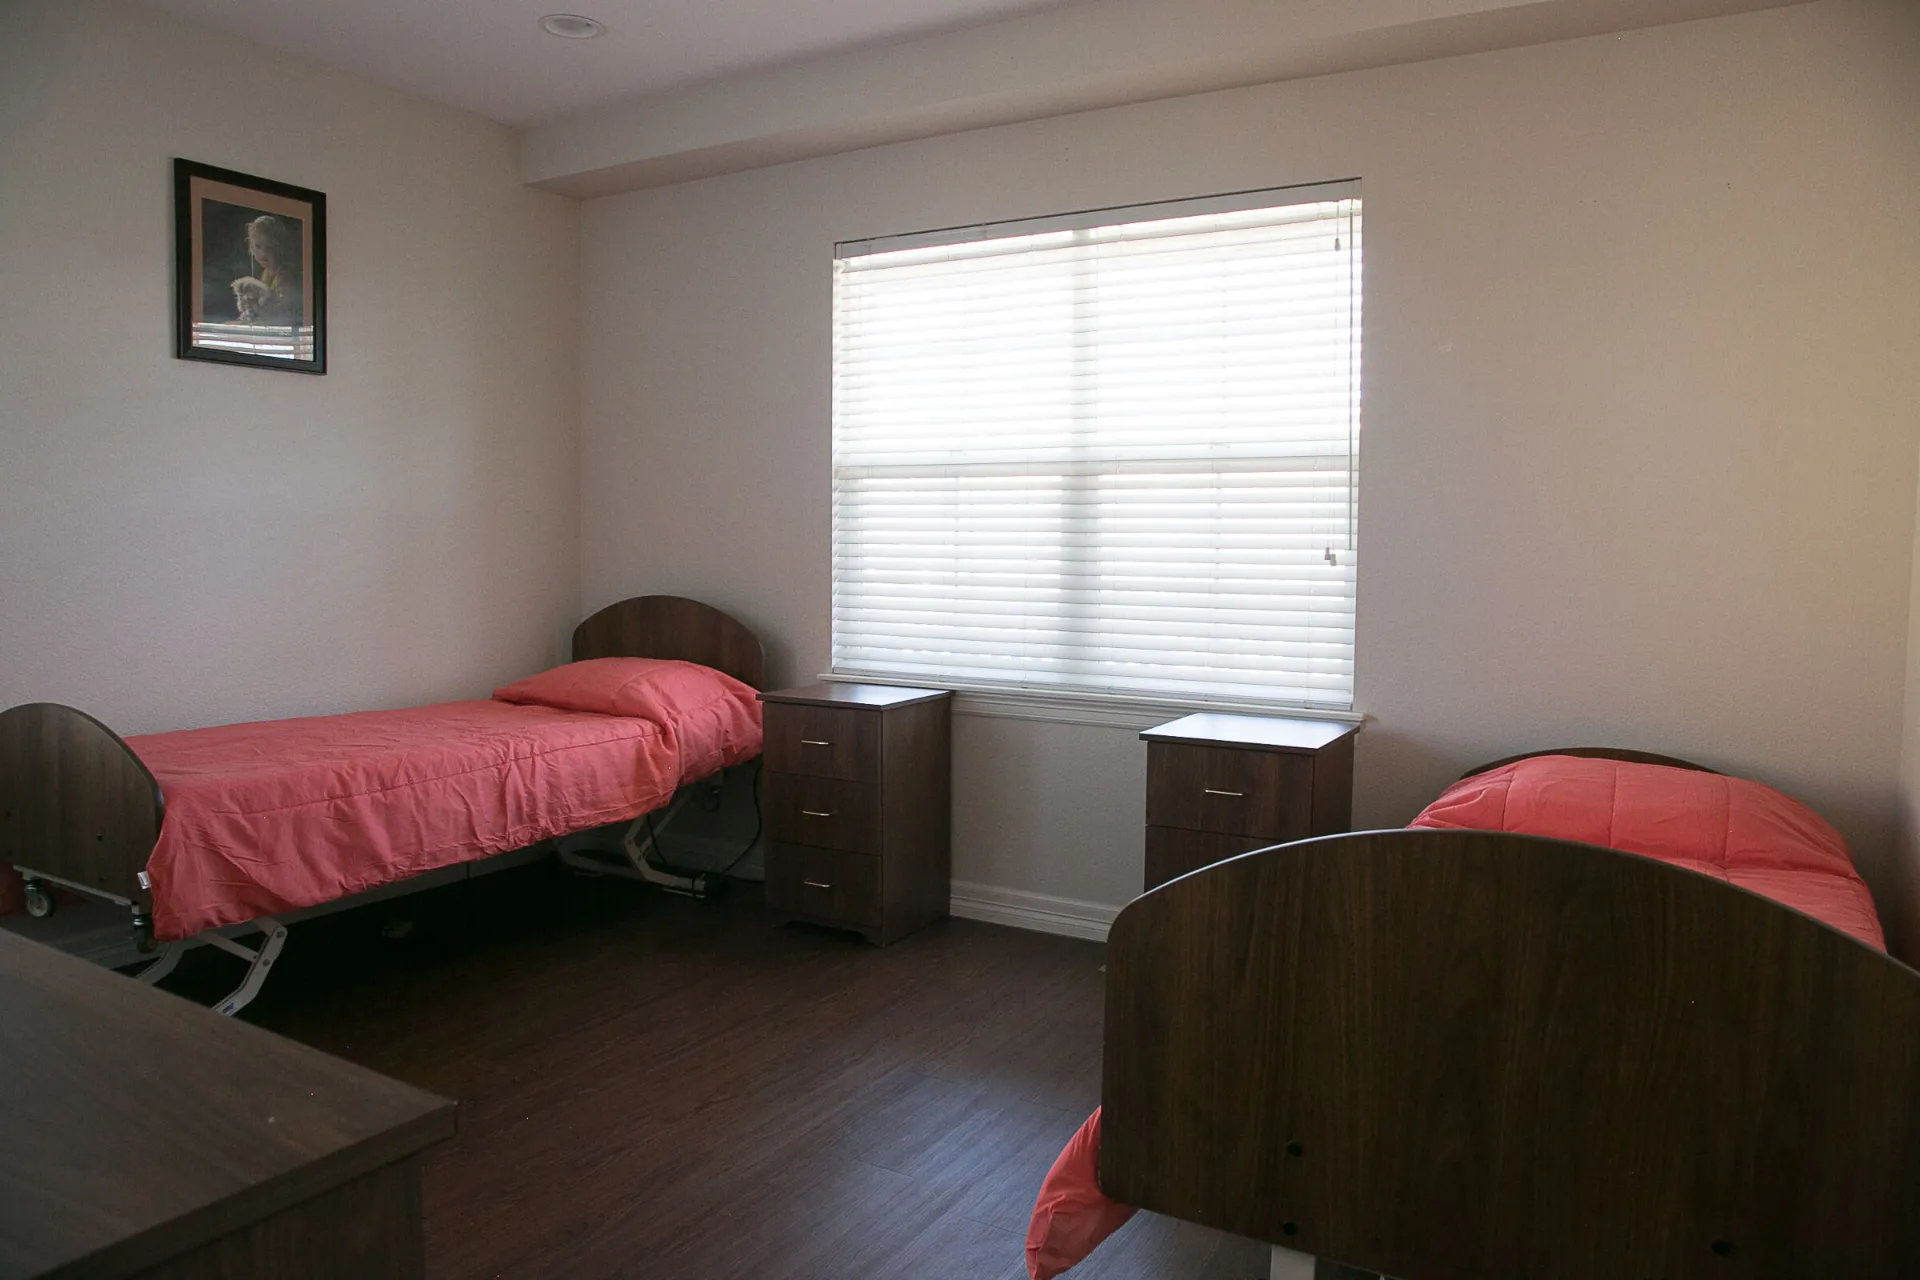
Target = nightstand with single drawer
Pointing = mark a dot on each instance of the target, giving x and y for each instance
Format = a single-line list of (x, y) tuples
[(1220, 785), (858, 806)]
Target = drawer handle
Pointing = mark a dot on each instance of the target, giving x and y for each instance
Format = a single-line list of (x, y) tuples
[(816, 884), (1237, 795), (814, 813), (814, 742)]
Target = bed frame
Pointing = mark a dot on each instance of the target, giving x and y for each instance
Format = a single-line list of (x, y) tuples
[(667, 627), (1454, 1055), (78, 808)]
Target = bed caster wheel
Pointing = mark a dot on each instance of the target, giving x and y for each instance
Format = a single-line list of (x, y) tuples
[(143, 934), (40, 903)]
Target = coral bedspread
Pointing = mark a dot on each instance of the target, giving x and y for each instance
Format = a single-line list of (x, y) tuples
[(1734, 830), (282, 814), (1728, 828)]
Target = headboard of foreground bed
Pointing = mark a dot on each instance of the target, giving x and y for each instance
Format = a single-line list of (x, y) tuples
[(672, 627), (1460, 1054)]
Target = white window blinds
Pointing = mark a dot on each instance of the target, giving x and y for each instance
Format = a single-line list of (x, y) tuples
[(1111, 453)]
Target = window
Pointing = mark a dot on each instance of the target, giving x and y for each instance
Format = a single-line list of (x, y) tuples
[(1110, 453)]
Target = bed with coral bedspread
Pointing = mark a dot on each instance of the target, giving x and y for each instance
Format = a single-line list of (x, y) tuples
[(274, 816), (201, 829), (1521, 981)]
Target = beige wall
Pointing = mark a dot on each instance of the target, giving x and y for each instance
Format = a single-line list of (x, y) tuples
[(1641, 406), (185, 543)]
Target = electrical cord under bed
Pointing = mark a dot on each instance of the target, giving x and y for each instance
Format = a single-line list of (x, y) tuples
[(759, 824)]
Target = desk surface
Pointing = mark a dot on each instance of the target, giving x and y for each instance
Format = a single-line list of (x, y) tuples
[(135, 1126)]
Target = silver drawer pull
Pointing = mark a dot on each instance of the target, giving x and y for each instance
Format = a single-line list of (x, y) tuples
[(816, 884), (814, 742), (814, 813), (1237, 795)]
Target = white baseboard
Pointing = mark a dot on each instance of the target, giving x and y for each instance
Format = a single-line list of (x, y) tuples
[(1039, 912)]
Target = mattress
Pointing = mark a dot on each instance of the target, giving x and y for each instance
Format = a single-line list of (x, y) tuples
[(277, 815)]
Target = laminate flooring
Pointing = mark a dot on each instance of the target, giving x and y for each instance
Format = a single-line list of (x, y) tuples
[(655, 1087)]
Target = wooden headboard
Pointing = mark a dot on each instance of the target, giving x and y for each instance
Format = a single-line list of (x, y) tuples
[(75, 799), (1475, 1054), (1593, 753), (672, 627)]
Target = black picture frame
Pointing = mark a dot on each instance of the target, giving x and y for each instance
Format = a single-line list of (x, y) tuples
[(250, 270)]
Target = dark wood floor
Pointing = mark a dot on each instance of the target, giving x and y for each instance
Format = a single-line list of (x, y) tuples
[(655, 1087)]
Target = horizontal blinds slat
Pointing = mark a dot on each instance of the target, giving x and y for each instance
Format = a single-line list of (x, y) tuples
[(895, 329), (1118, 458), (1261, 226)]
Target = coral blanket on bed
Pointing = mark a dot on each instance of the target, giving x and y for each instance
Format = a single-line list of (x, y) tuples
[(282, 814), (1728, 828)]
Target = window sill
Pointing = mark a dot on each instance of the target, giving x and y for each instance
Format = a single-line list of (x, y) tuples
[(1111, 711)]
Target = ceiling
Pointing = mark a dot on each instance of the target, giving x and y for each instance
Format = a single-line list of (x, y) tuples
[(490, 56)]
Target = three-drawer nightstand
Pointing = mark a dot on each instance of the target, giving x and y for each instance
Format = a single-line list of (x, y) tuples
[(1221, 785), (859, 807)]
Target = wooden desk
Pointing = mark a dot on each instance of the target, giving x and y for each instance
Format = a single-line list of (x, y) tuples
[(1220, 785), (141, 1135)]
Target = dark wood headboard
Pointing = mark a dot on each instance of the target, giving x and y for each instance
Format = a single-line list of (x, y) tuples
[(75, 800), (672, 627), (1459, 1054), (1593, 753)]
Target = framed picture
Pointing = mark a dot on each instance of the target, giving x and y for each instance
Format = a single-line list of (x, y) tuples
[(250, 270)]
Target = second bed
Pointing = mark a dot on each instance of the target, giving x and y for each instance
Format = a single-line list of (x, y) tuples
[(202, 829), (1592, 1017)]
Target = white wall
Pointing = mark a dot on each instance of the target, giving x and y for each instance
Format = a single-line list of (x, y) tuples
[(185, 543), (1639, 456)]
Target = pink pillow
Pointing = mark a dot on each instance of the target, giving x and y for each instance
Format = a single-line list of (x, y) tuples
[(1072, 1215), (714, 719), (646, 688)]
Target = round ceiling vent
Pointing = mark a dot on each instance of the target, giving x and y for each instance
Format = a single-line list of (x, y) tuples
[(571, 26)]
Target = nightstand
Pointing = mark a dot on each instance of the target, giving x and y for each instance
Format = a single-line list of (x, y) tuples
[(859, 807), (1222, 785)]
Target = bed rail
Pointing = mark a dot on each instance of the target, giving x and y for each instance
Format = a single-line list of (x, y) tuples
[(76, 804), (1441, 1054)]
